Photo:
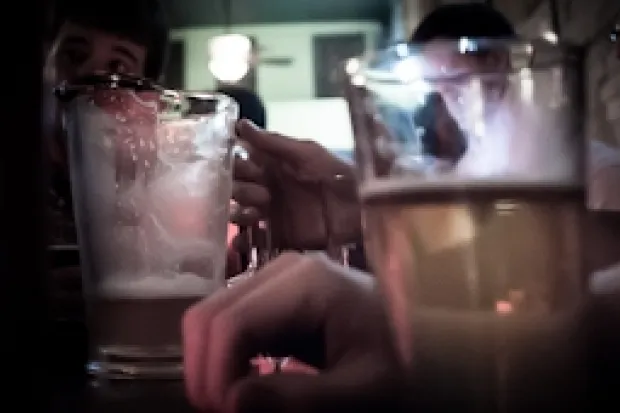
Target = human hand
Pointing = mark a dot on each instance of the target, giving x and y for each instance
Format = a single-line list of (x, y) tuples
[(308, 194), (304, 306)]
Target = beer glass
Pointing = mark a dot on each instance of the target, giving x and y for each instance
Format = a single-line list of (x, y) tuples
[(468, 160), (151, 174)]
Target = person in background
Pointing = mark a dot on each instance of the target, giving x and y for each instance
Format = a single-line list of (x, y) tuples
[(447, 23), (307, 306), (86, 37), (251, 106)]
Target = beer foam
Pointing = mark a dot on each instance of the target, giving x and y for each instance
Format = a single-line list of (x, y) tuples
[(404, 184), (169, 285)]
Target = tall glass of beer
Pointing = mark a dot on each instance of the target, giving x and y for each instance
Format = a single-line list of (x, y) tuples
[(151, 176), (468, 155)]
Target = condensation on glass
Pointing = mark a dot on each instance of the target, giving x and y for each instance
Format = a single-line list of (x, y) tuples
[(470, 169), (151, 174)]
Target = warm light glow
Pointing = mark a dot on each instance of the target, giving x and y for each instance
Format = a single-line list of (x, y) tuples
[(229, 57), (503, 307)]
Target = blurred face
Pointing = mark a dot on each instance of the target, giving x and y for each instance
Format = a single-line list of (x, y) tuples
[(79, 51), (471, 84)]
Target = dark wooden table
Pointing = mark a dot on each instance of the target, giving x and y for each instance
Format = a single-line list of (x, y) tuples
[(79, 396), (72, 391)]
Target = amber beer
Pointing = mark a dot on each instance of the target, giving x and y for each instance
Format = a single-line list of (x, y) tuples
[(483, 282), (137, 328)]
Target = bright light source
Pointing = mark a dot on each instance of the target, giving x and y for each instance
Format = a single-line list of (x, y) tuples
[(230, 57), (229, 71)]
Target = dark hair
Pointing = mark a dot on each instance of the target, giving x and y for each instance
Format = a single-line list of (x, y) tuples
[(251, 107), (453, 21), (141, 21)]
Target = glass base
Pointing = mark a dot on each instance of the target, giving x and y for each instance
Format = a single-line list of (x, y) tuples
[(137, 363)]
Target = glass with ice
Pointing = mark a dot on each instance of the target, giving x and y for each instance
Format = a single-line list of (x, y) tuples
[(151, 177)]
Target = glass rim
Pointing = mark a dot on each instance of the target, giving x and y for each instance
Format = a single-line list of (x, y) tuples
[(173, 99), (378, 66), (100, 81), (181, 97), (66, 91)]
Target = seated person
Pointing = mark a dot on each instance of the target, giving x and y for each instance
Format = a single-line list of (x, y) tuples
[(90, 37)]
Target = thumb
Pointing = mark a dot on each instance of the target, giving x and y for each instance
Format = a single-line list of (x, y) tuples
[(324, 393), (278, 146)]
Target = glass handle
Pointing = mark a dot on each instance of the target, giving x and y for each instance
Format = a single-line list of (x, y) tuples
[(258, 238), (339, 253), (246, 256), (263, 251)]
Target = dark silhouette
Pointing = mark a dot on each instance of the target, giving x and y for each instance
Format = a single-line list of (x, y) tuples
[(251, 106)]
